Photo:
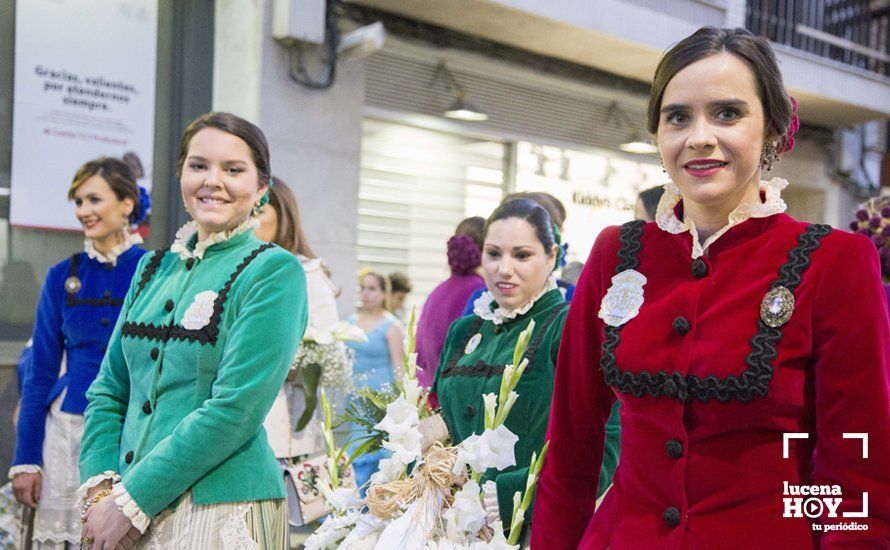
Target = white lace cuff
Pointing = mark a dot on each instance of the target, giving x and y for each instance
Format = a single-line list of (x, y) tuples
[(24, 469), (490, 502), (129, 507), (82, 491)]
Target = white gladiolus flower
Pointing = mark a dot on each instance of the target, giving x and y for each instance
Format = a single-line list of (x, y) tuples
[(401, 423), (389, 469), (500, 443), (466, 516), (491, 401), (475, 453), (412, 390)]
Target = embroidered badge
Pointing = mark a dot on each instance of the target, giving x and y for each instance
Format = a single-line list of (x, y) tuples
[(777, 307), (198, 314), (473, 344), (624, 298), (72, 285)]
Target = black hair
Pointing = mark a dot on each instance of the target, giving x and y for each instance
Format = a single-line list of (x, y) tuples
[(530, 211), (753, 50)]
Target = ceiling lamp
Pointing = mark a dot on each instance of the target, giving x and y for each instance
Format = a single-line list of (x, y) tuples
[(461, 108), (636, 144)]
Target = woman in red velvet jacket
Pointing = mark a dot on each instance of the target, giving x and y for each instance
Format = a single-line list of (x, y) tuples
[(722, 327)]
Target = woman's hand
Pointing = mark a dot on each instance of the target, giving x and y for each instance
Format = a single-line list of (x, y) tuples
[(107, 526), (26, 488)]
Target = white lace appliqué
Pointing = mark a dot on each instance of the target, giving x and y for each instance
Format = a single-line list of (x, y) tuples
[(112, 255), (235, 535), (667, 220), (482, 305), (624, 298), (198, 314), (187, 231)]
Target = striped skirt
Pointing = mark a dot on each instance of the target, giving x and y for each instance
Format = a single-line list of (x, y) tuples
[(257, 525)]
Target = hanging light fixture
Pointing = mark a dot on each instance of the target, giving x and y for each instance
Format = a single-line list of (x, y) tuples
[(461, 108), (635, 142)]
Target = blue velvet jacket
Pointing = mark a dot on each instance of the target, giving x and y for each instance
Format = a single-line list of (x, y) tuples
[(78, 308)]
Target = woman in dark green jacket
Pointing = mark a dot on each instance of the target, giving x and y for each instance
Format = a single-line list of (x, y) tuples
[(518, 258)]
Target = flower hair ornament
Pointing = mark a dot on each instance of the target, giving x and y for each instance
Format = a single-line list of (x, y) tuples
[(873, 221), (561, 248), (143, 210), (785, 144), (463, 254)]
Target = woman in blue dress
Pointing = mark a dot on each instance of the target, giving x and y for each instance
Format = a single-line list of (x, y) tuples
[(378, 359), (76, 314)]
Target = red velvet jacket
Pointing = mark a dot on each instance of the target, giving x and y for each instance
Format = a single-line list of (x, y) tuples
[(697, 473)]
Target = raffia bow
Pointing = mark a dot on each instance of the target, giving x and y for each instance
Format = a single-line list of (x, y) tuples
[(434, 474)]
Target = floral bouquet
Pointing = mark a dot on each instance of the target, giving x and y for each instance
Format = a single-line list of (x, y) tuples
[(427, 494), (323, 359)]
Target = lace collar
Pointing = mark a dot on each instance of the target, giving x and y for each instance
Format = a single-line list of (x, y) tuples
[(486, 308), (112, 255), (188, 231), (667, 220)]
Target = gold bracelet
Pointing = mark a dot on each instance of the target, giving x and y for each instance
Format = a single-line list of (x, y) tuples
[(93, 500)]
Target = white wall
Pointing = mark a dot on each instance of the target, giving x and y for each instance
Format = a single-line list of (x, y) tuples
[(314, 135)]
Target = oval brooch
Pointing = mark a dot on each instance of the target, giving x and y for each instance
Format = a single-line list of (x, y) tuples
[(473, 344), (777, 307), (72, 285)]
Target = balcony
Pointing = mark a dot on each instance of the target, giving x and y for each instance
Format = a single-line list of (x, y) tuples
[(853, 32)]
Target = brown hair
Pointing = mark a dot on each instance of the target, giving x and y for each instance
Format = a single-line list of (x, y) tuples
[(551, 204), (289, 235), (383, 281), (399, 282), (116, 173), (237, 126), (473, 227), (753, 50)]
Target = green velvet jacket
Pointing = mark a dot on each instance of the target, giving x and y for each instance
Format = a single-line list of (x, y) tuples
[(462, 378), (198, 355)]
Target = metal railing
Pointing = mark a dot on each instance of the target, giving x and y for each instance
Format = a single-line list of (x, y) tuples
[(853, 32)]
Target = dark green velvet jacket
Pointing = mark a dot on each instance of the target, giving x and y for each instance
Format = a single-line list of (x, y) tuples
[(462, 378)]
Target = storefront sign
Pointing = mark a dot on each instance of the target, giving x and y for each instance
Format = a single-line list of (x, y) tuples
[(84, 88)]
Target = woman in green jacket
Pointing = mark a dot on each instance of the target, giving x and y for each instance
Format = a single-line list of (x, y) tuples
[(519, 255), (174, 452)]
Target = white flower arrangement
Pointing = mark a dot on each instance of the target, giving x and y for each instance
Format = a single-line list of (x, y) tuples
[(323, 360), (439, 505)]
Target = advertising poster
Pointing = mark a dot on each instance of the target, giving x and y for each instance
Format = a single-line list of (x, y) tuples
[(84, 88)]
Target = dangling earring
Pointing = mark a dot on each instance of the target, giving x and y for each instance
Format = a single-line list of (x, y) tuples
[(769, 155), (256, 208)]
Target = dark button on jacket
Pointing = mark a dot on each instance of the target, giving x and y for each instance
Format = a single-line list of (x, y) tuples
[(671, 516), (190, 263), (681, 326), (146, 407), (155, 353), (471, 410), (169, 305), (105, 321), (674, 448), (128, 458), (699, 268)]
